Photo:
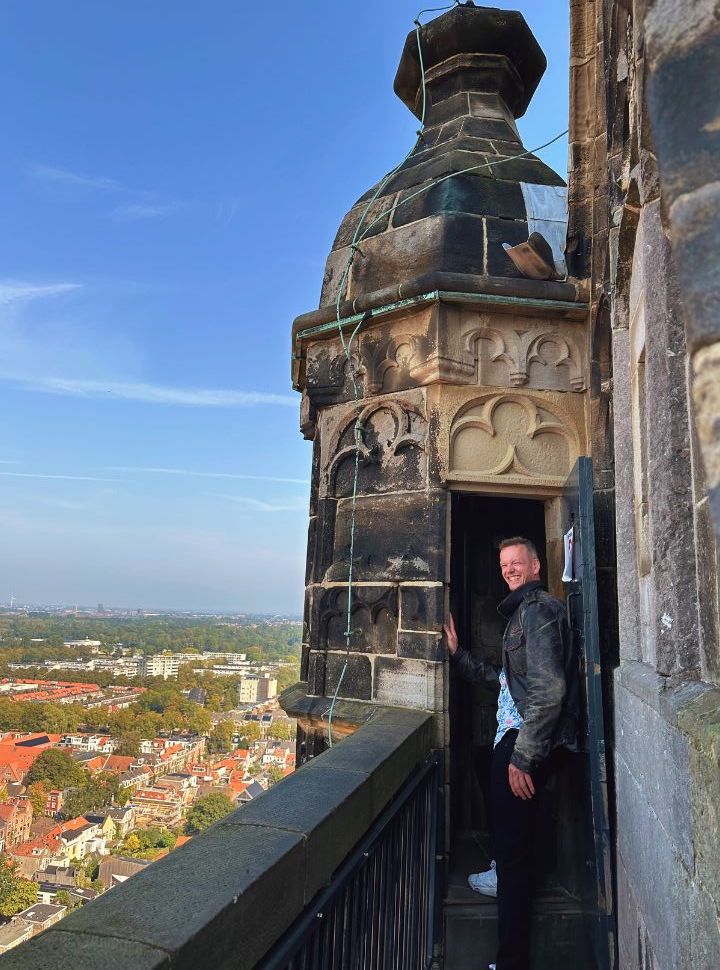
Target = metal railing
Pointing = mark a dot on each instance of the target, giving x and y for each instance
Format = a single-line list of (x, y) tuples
[(379, 912)]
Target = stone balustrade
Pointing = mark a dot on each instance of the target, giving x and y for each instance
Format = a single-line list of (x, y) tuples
[(223, 899)]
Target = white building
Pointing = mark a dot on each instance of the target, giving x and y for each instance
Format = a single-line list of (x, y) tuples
[(254, 690)]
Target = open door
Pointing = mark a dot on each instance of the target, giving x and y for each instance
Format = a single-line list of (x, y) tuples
[(582, 606)]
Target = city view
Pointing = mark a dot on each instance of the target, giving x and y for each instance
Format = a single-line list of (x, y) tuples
[(122, 736)]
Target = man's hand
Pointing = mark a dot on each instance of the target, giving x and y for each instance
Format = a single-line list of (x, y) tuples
[(451, 634), (521, 783)]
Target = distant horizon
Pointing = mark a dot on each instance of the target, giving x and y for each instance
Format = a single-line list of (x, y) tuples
[(5, 608)]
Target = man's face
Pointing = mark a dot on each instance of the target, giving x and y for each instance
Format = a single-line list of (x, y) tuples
[(518, 566)]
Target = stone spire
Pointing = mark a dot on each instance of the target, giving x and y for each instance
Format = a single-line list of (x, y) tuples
[(482, 66)]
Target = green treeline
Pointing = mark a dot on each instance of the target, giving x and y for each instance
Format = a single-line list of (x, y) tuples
[(259, 640)]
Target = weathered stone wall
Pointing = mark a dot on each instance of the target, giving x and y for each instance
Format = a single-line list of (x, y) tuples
[(644, 129)]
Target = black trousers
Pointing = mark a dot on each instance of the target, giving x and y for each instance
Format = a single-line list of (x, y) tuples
[(515, 823)]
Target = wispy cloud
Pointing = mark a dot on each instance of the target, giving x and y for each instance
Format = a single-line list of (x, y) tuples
[(14, 291), (138, 211), (156, 393), (7, 461), (197, 474), (57, 478), (247, 504), (62, 176)]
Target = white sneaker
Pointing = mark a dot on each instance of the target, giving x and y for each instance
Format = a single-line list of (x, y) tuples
[(484, 883), (491, 966)]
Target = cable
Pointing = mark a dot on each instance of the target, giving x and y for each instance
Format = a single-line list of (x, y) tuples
[(358, 237)]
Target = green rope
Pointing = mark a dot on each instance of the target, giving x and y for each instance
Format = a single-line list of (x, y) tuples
[(354, 247)]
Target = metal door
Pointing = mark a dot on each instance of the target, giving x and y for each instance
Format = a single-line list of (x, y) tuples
[(582, 605)]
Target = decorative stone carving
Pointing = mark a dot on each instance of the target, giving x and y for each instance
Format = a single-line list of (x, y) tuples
[(543, 358), (374, 619), (391, 440), (390, 363), (512, 438), (328, 377)]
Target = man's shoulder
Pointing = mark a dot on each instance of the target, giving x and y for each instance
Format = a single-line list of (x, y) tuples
[(540, 599)]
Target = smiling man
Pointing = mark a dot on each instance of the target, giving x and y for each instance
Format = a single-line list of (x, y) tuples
[(538, 708)]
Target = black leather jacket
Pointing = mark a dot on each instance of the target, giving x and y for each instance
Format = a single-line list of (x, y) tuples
[(541, 671)]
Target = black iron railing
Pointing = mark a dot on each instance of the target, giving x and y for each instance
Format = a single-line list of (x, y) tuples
[(379, 912)]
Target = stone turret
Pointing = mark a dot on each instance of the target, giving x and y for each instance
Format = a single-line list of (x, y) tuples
[(470, 376)]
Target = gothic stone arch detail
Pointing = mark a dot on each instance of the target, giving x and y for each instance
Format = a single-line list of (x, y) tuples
[(392, 441), (390, 363), (514, 439), (543, 358), (374, 619)]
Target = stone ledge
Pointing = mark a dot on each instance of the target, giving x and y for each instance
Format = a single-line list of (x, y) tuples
[(224, 898), (669, 700)]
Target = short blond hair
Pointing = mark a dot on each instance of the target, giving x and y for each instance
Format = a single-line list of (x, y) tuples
[(520, 541)]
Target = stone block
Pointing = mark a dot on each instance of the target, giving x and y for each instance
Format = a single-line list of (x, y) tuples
[(464, 193), (328, 809), (359, 221), (316, 672), (647, 855), (526, 169), (388, 748), (438, 111), (321, 537), (408, 683), (490, 105), (373, 621), (220, 882), (422, 607), (684, 118), (447, 242), (356, 673), (420, 646), (397, 537), (658, 756), (500, 231)]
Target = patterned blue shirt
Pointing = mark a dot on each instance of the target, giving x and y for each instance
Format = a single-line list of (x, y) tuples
[(508, 716)]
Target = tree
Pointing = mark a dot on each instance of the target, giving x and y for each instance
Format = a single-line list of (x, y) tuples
[(221, 737), (275, 774), (282, 731), (129, 744), (206, 810), (16, 893), (249, 731), (37, 793), (56, 769), (147, 843)]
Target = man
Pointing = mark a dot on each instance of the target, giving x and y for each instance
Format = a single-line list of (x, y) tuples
[(537, 716)]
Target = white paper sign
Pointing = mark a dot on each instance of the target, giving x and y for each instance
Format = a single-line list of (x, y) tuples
[(569, 543)]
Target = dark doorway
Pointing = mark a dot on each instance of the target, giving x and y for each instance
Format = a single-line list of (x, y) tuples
[(479, 524)]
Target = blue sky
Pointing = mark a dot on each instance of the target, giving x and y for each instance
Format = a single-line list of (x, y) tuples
[(171, 178)]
